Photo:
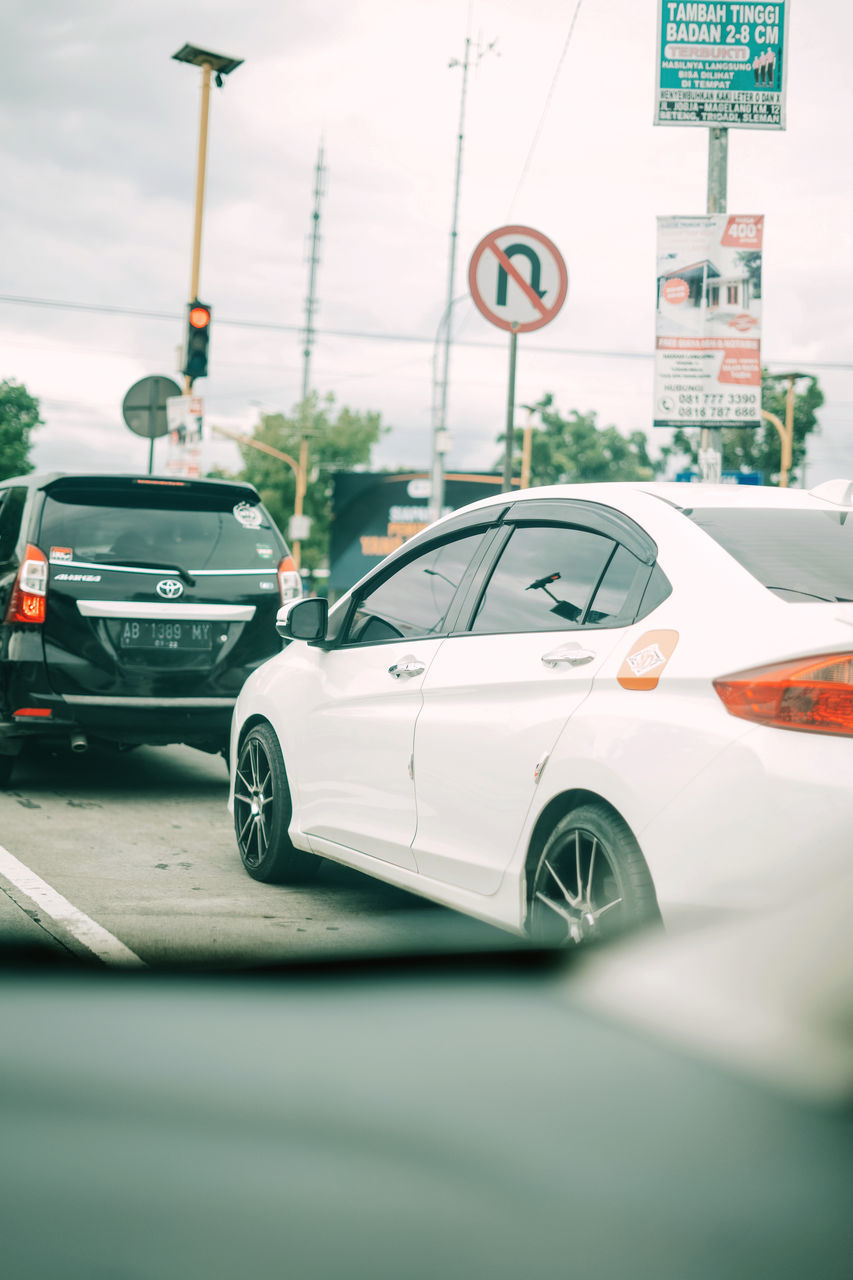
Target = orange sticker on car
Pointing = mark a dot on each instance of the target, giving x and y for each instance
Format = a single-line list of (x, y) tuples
[(645, 664)]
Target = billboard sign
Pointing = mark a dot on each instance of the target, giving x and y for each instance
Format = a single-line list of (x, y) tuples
[(708, 321), (722, 64)]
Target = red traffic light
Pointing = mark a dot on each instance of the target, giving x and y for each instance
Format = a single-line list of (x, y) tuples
[(198, 337), (199, 316)]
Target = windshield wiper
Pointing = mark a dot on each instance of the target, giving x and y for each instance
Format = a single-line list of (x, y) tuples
[(149, 564)]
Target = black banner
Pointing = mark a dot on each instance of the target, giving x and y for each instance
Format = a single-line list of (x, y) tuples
[(374, 512)]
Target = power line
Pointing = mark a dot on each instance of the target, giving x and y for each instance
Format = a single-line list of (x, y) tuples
[(845, 366), (547, 106)]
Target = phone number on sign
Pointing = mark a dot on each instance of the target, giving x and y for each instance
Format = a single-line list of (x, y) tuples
[(710, 398), (718, 411)]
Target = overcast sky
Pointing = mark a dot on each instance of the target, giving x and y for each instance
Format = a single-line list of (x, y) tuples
[(99, 130)]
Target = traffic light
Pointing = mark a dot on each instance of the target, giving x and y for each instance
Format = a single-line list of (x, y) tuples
[(198, 337)]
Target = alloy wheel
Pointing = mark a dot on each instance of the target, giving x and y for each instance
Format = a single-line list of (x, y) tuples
[(576, 894), (253, 802)]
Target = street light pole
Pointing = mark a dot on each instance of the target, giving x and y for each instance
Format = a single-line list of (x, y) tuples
[(200, 175), (439, 429), (510, 411), (786, 431), (298, 467), (211, 64), (439, 408), (439, 436)]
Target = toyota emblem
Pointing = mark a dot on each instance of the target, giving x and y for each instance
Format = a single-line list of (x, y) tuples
[(170, 588)]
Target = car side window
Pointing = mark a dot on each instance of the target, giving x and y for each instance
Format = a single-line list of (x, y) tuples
[(614, 588), (414, 601), (12, 502), (544, 579)]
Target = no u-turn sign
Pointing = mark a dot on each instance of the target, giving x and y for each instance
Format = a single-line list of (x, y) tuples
[(518, 278)]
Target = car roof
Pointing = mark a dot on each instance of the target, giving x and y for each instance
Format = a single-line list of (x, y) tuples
[(627, 495)]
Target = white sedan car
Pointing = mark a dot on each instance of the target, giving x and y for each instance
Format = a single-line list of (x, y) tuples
[(570, 708)]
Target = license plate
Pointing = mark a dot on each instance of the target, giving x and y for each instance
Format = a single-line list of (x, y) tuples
[(165, 635)]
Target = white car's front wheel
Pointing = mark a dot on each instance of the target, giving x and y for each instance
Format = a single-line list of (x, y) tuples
[(262, 811)]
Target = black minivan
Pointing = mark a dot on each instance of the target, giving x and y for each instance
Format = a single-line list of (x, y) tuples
[(132, 608)]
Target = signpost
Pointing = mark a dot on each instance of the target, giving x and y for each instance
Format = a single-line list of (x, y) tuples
[(518, 281), (144, 409), (722, 64)]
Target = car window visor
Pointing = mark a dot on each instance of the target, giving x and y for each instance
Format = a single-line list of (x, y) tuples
[(591, 516)]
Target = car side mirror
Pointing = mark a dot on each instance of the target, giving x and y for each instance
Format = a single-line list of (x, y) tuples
[(303, 619)]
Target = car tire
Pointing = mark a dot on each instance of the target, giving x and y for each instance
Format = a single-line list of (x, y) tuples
[(262, 811), (591, 882)]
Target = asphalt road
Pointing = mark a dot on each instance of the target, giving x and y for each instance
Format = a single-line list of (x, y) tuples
[(132, 856)]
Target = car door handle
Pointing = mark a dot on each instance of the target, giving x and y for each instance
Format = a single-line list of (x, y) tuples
[(408, 666), (572, 654)]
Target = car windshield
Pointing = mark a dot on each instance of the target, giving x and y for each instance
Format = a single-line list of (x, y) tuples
[(208, 533), (357, 364), (800, 556)]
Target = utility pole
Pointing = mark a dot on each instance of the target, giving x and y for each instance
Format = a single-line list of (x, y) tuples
[(311, 300), (300, 528), (711, 438)]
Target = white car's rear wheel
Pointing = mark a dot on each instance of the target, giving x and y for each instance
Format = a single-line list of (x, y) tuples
[(591, 881), (262, 811)]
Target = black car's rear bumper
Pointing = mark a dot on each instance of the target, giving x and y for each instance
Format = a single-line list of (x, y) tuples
[(201, 722)]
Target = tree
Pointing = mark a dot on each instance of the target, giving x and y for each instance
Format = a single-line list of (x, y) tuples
[(759, 448), (573, 449), (19, 415), (338, 440), (750, 260)]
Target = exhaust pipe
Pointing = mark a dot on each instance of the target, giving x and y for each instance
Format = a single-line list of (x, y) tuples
[(79, 742)]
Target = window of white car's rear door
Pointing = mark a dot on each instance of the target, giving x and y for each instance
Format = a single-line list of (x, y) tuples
[(497, 697)]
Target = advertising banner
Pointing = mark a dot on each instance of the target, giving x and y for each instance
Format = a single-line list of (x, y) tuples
[(722, 64), (375, 512), (185, 417), (708, 321)]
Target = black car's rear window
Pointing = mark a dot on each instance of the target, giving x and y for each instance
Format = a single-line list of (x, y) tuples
[(799, 555), (195, 527)]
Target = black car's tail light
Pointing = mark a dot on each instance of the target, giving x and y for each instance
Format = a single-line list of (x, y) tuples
[(28, 602), (289, 580), (813, 694)]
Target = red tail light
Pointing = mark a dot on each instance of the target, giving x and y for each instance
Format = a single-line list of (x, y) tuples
[(29, 594), (812, 694), (289, 581)]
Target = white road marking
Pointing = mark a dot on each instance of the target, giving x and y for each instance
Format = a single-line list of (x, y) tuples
[(93, 936)]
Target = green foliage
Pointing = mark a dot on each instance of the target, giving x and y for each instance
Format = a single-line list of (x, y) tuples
[(750, 260), (19, 415), (338, 440), (760, 448), (575, 449)]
